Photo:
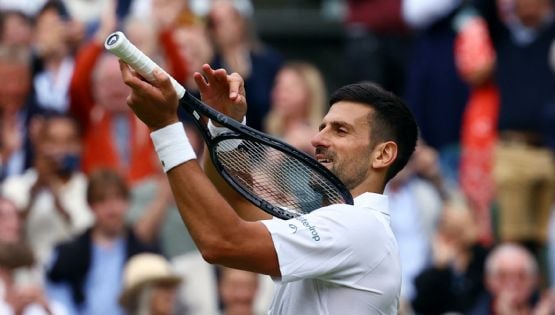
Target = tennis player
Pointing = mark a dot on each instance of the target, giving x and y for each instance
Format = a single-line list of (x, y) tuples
[(340, 259)]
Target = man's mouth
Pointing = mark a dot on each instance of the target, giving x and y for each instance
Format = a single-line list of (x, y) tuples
[(324, 160), (322, 157)]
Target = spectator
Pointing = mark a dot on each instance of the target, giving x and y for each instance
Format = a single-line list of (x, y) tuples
[(86, 272), (112, 136), (298, 104), (149, 286), (230, 24), (454, 281), (512, 282), (21, 294), (475, 61), (21, 289), (53, 49), (523, 32), (51, 194), (434, 91), (17, 110), (238, 289)]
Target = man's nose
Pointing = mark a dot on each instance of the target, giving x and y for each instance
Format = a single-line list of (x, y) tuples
[(320, 139)]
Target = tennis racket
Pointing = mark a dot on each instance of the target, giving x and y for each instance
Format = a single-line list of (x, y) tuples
[(271, 174)]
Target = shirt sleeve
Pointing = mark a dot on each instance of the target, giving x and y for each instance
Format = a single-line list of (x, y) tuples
[(322, 245)]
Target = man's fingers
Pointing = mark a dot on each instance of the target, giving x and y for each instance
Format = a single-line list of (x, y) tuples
[(235, 86), (132, 78), (208, 72), (163, 82), (201, 82)]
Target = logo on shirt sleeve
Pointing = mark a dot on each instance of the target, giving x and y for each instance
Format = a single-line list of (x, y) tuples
[(311, 228)]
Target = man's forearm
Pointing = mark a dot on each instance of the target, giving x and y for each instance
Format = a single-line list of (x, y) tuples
[(219, 233)]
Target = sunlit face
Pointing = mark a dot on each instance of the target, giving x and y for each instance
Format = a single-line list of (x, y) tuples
[(290, 94), (343, 142)]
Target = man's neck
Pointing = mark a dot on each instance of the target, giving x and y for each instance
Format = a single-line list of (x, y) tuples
[(103, 239)]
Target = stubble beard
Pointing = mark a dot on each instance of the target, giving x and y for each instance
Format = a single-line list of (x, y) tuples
[(352, 173)]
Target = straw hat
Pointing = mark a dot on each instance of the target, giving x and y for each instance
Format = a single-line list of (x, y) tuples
[(144, 269)]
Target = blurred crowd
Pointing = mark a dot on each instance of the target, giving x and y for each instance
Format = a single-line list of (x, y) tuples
[(88, 224)]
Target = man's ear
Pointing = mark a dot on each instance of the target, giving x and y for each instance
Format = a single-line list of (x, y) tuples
[(384, 154)]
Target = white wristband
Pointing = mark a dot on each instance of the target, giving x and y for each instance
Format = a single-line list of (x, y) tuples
[(216, 131), (172, 145)]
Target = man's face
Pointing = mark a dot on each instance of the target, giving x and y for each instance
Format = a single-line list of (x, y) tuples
[(61, 137), (343, 142), (58, 147), (110, 90), (514, 280), (110, 214)]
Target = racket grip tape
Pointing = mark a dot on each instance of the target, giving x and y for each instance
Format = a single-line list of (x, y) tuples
[(119, 45)]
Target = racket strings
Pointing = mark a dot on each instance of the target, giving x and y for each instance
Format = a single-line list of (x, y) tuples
[(276, 177)]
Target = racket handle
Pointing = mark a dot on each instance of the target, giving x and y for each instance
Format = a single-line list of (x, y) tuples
[(119, 45)]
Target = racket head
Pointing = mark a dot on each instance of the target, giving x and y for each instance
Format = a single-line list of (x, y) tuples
[(278, 180)]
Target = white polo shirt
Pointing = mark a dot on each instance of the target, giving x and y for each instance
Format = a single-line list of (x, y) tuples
[(340, 259)]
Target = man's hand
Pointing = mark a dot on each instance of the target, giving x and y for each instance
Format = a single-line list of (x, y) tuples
[(155, 103), (224, 92)]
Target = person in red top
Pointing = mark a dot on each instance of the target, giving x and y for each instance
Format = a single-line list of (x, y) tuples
[(113, 137)]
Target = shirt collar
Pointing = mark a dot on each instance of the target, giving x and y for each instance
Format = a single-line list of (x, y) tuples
[(373, 201)]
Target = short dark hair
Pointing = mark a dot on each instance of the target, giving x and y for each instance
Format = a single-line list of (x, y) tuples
[(104, 183), (392, 120)]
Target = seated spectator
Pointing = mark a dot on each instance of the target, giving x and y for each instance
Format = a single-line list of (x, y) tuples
[(51, 195), (86, 272), (454, 281), (149, 286), (512, 282)]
